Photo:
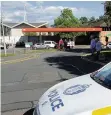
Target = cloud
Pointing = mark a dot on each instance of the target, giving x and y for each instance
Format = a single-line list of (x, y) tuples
[(17, 13), (53, 9), (8, 20), (51, 12), (15, 4), (36, 11), (56, 10), (14, 11)]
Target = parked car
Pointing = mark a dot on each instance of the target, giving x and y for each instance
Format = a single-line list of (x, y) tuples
[(86, 95), (49, 44), (20, 44), (39, 46), (107, 47)]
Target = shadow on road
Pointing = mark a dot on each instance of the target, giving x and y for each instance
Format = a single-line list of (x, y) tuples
[(75, 65), (29, 112)]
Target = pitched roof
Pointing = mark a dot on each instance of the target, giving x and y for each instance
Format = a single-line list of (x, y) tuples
[(39, 24), (11, 24), (24, 23)]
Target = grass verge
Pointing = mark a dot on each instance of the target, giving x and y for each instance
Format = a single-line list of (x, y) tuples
[(105, 56), (9, 54), (106, 52)]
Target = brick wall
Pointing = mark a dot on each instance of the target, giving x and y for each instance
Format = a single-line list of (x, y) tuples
[(102, 36)]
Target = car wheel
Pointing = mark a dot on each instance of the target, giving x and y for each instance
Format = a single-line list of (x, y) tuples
[(47, 47)]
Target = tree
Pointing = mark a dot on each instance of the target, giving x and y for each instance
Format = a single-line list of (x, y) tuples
[(92, 19), (67, 20), (101, 17), (83, 20), (107, 8)]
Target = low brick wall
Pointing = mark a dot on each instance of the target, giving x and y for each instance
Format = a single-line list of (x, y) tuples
[(102, 36)]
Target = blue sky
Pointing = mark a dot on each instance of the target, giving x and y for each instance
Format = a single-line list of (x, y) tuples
[(48, 10)]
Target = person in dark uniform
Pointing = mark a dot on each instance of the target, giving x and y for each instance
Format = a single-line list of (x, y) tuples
[(65, 44), (106, 39)]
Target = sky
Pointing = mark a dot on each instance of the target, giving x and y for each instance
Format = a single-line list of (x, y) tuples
[(40, 11)]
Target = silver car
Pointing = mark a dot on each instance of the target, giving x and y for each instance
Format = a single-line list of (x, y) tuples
[(39, 46)]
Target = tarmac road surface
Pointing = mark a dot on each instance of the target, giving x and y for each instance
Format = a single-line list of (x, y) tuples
[(23, 83)]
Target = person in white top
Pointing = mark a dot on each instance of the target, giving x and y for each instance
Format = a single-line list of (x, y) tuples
[(69, 44), (72, 44), (98, 47)]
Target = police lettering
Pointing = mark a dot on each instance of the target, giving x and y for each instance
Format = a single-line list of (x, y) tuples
[(57, 105), (55, 100), (53, 93)]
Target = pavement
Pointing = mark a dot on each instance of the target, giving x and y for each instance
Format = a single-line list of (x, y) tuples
[(82, 46), (24, 82), (11, 50)]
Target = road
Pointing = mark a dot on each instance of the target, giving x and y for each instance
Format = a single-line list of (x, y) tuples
[(23, 83)]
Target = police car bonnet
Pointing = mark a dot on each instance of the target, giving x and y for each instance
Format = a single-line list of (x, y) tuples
[(73, 96)]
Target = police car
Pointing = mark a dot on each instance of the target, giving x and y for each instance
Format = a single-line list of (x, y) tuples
[(86, 95)]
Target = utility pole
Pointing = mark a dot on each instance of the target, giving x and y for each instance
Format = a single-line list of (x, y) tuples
[(41, 9), (25, 13), (14, 46), (3, 30)]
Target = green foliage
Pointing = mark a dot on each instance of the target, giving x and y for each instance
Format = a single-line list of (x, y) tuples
[(67, 20), (92, 22), (92, 19), (83, 20), (101, 17), (107, 14), (30, 34)]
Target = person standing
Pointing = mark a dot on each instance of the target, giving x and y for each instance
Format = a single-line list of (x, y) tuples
[(72, 44), (61, 43), (106, 39), (65, 44), (98, 48), (93, 45)]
